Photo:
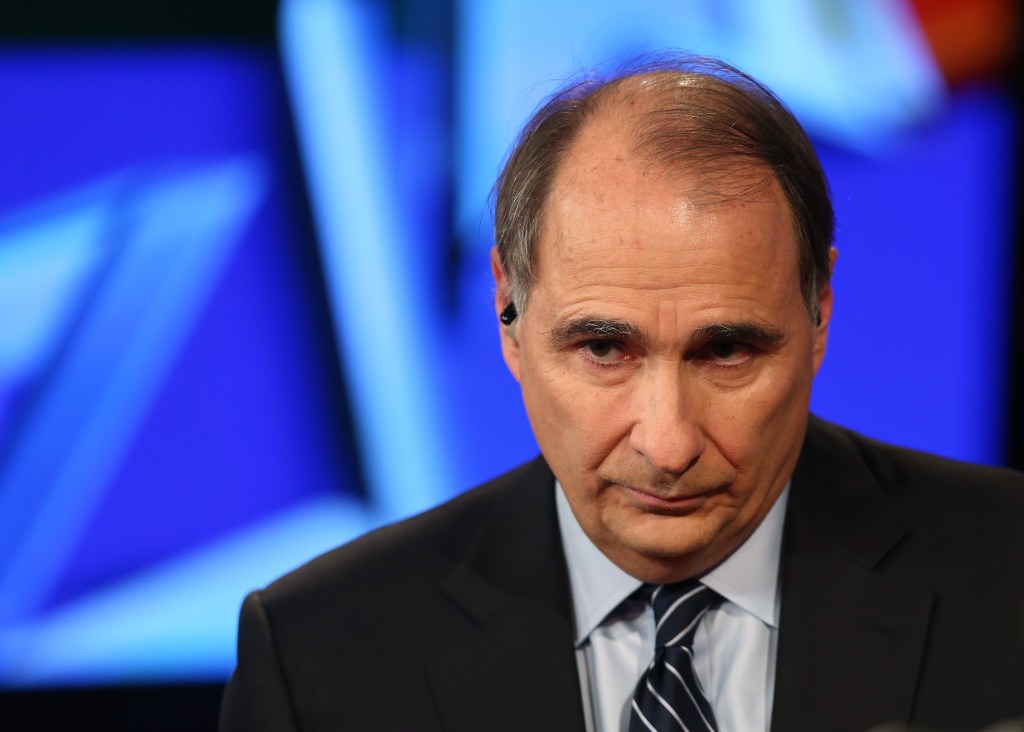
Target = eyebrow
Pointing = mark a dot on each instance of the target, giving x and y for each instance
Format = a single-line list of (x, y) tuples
[(753, 334), (585, 328), (575, 330)]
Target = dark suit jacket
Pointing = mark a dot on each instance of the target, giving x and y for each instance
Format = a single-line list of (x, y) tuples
[(902, 599)]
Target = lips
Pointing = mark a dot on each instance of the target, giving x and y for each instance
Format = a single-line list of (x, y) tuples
[(657, 502)]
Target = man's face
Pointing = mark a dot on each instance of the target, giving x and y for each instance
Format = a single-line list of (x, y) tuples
[(665, 357)]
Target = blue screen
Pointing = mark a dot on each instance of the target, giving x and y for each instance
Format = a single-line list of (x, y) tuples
[(247, 311)]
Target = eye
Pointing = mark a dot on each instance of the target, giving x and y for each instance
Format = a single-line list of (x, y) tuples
[(603, 351), (723, 350), (728, 353)]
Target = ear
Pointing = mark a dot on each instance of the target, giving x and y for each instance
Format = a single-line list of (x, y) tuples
[(509, 342), (825, 314)]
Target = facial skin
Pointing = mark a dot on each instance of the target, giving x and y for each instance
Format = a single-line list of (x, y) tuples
[(665, 356)]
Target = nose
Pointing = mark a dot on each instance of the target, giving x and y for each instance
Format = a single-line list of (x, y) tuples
[(667, 429)]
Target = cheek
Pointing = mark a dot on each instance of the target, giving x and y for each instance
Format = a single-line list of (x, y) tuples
[(762, 427), (598, 438), (572, 423)]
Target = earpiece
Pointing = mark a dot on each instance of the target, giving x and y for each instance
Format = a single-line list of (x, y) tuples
[(508, 319), (508, 314)]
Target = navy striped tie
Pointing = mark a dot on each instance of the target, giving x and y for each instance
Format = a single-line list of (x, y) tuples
[(669, 696)]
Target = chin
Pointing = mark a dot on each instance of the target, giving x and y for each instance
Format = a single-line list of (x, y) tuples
[(661, 557), (666, 570), (685, 552)]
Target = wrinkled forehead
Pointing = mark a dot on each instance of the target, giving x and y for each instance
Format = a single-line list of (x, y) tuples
[(616, 217), (605, 168), (629, 138)]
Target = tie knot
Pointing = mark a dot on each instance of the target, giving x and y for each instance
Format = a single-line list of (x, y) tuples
[(678, 609)]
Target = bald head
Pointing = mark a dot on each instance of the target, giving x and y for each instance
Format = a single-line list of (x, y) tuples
[(692, 116)]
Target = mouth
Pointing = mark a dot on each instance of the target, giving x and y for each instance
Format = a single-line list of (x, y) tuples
[(657, 502)]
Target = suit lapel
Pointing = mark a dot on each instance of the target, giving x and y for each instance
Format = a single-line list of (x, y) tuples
[(850, 640), (518, 670)]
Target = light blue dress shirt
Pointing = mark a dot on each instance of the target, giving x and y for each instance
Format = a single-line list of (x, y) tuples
[(735, 645)]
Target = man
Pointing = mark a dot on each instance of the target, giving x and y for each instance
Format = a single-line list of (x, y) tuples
[(662, 261)]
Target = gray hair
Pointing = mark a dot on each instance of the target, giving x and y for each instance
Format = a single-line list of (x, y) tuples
[(697, 113)]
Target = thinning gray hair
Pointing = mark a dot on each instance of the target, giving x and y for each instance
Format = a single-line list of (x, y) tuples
[(695, 113)]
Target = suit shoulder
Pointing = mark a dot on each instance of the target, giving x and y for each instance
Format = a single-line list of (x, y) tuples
[(420, 549), (895, 465), (957, 503), (950, 525)]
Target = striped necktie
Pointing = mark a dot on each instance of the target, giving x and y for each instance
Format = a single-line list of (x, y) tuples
[(669, 696)]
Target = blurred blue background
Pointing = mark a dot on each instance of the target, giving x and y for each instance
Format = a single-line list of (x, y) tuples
[(245, 307)]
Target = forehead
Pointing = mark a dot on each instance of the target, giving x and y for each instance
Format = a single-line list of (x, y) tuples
[(606, 163), (616, 226)]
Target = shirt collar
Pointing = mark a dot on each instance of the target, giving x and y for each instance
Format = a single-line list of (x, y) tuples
[(748, 577)]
